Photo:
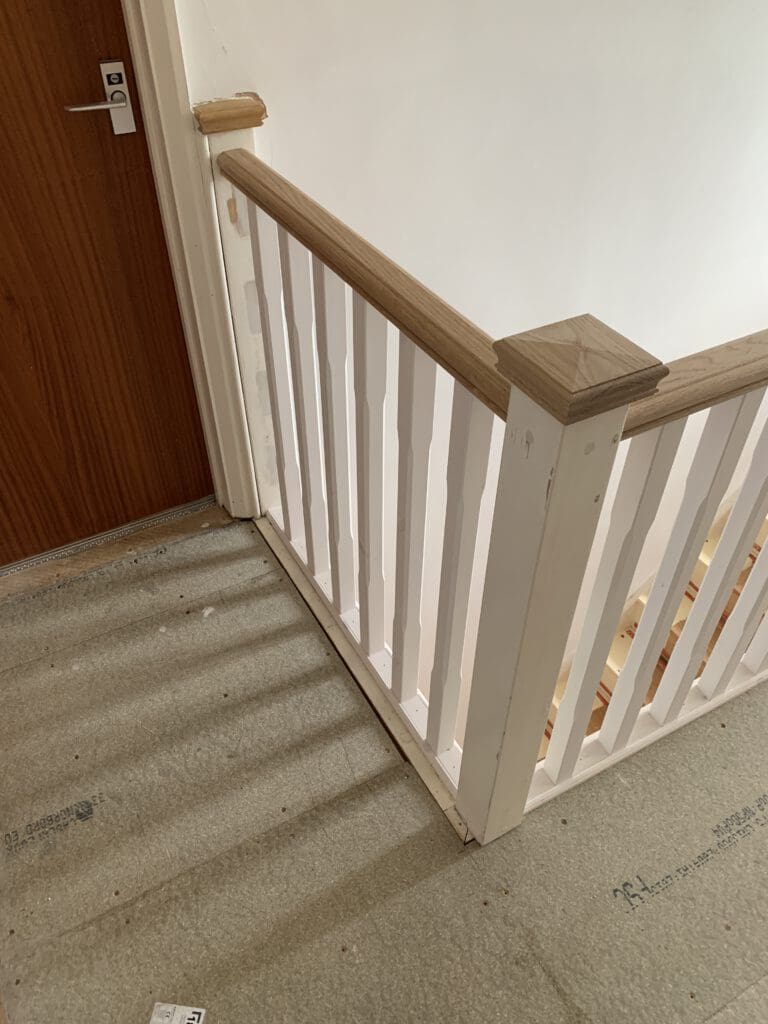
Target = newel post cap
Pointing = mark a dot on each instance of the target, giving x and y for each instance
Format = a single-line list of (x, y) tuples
[(578, 368)]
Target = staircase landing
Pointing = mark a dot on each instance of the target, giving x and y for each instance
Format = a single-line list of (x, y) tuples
[(242, 835)]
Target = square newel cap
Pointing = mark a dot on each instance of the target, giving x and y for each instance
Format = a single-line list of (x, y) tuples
[(578, 368)]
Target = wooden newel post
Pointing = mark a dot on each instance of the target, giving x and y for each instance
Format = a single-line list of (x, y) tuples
[(571, 385)]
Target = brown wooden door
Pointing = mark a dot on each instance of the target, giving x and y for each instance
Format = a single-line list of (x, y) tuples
[(98, 419)]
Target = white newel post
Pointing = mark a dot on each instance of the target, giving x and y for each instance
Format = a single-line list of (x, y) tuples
[(571, 385)]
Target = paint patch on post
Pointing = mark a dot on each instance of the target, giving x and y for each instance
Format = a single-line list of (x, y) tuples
[(170, 1013)]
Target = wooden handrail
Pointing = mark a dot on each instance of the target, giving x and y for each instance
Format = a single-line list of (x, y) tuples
[(575, 368), (243, 110), (450, 339), (702, 380)]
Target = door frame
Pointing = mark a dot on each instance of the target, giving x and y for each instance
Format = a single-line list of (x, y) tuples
[(184, 186)]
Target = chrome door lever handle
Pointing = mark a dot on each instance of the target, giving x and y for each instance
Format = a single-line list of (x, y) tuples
[(116, 100)]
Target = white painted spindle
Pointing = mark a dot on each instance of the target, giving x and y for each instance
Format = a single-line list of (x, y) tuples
[(266, 265), (643, 480), (482, 545), (468, 453), (721, 443), (730, 556), (756, 658), (437, 490), (415, 413), (299, 320), (391, 453), (333, 366), (738, 631), (369, 331)]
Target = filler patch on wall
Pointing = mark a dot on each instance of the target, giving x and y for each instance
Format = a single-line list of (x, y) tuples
[(170, 1013)]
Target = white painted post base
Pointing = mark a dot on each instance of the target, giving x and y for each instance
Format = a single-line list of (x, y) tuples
[(551, 488), (571, 386)]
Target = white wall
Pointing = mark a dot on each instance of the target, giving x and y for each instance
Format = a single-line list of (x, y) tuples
[(528, 159)]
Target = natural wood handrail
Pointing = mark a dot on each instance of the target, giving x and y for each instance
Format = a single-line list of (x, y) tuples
[(453, 341), (575, 368), (243, 110), (702, 380)]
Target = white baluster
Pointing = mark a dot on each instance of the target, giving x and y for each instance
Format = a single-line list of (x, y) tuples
[(643, 479), (738, 631), (468, 453), (721, 443), (482, 545), (756, 658), (299, 319), (746, 517), (436, 503), (333, 365), (415, 413), (266, 265), (391, 469), (369, 330)]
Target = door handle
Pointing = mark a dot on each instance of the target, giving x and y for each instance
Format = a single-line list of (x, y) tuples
[(118, 101)]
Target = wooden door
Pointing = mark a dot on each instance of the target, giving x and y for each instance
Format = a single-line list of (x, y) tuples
[(98, 419)]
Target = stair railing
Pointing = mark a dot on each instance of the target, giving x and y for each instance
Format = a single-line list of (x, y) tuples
[(453, 564), (649, 700)]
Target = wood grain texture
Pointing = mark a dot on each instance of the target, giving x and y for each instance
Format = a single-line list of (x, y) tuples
[(456, 344), (578, 368), (244, 110), (702, 380), (574, 369), (99, 420)]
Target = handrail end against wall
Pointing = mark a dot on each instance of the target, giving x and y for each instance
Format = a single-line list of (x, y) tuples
[(578, 368), (243, 110)]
